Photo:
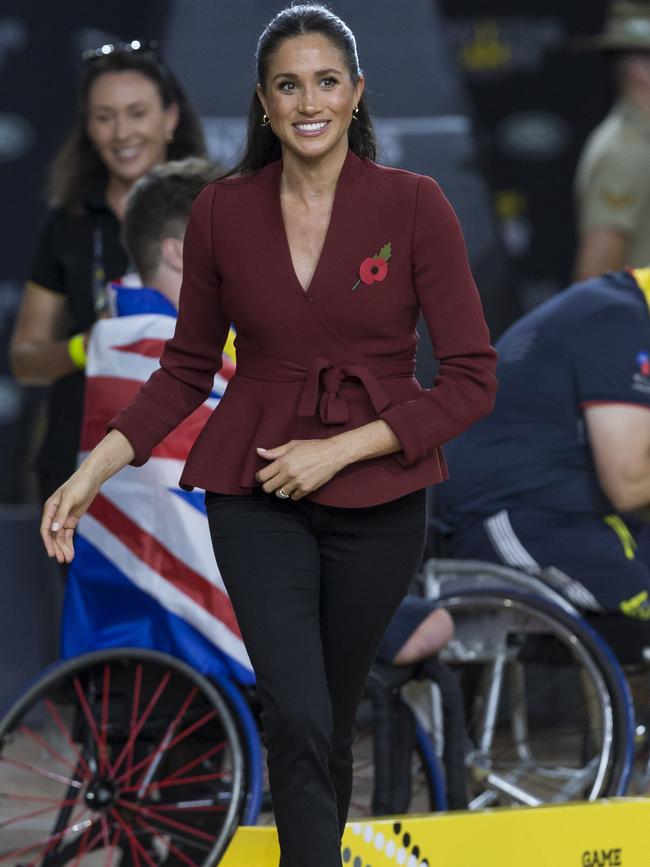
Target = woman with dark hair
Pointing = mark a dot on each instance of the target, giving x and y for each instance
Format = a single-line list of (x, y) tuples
[(131, 115), (317, 458)]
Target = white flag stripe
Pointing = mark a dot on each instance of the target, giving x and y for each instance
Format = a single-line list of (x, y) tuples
[(105, 360), (163, 591), (162, 514), (185, 532)]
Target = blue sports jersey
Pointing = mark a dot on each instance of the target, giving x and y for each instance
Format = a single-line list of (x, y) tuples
[(590, 343)]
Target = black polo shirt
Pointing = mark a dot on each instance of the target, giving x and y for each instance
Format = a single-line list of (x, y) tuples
[(77, 254)]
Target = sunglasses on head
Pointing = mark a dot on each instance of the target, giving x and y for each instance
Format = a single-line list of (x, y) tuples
[(134, 47)]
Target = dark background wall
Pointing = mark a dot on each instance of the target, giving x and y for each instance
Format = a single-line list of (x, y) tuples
[(534, 100), (487, 98)]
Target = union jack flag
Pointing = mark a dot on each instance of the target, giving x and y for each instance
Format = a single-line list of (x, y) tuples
[(144, 573)]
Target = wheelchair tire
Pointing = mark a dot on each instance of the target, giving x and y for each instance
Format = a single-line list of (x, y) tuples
[(125, 750), (549, 712), (410, 778)]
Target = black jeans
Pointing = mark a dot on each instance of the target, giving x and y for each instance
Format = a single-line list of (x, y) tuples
[(313, 587)]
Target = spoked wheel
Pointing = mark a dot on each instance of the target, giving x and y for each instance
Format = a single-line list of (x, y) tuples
[(548, 710), (123, 756), (409, 780)]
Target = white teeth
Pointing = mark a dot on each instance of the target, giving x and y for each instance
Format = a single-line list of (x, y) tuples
[(311, 127), (127, 153)]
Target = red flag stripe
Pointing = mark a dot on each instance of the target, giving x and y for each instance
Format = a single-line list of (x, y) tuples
[(148, 549), (106, 396), (227, 368), (151, 347)]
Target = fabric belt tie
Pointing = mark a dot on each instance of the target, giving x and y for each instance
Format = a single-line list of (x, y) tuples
[(321, 392)]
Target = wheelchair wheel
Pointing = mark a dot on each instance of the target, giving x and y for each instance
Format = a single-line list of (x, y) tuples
[(548, 709), (405, 777), (127, 751)]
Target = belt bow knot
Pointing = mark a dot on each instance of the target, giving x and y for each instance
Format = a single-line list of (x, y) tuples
[(325, 379)]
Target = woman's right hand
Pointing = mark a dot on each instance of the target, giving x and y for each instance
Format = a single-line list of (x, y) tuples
[(63, 511)]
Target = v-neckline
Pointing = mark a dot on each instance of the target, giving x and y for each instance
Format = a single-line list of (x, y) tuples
[(306, 292)]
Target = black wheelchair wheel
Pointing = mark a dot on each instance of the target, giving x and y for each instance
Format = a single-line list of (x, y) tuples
[(128, 751)]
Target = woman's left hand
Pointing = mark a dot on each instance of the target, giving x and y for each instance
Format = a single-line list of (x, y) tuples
[(300, 466)]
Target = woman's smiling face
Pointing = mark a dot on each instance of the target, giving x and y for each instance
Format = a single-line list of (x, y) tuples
[(128, 124), (309, 96)]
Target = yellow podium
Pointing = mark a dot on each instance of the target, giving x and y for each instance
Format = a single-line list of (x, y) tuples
[(610, 833)]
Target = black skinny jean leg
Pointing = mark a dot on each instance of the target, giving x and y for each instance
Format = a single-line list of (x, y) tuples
[(270, 563), (368, 557), (313, 589)]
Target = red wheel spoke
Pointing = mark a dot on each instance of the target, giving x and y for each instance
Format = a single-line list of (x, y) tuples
[(106, 686), (40, 740), (188, 767), (110, 851), (83, 847), (176, 851), (151, 813), (41, 772), (135, 844), (39, 858), (197, 761), (135, 707), (167, 834), (181, 781), (58, 722), (98, 836), (145, 715), (38, 799), (189, 805), (33, 813), (105, 831), (169, 733), (90, 719), (49, 839), (143, 763)]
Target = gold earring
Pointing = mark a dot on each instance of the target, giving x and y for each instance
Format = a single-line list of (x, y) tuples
[(265, 121), (355, 113)]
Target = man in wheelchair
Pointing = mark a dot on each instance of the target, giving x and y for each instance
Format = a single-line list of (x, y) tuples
[(556, 480)]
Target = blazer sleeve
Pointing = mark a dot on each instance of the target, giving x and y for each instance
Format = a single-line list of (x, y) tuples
[(193, 355), (464, 388)]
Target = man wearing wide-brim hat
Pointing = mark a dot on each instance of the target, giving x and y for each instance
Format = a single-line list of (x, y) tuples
[(613, 175)]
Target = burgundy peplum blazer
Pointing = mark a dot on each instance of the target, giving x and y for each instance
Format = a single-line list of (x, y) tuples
[(312, 364)]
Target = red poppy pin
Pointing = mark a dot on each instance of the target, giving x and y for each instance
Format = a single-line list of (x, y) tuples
[(374, 268)]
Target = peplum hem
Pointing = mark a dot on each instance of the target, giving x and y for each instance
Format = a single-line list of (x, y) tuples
[(261, 413)]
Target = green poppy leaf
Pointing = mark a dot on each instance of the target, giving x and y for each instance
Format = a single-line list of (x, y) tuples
[(385, 252)]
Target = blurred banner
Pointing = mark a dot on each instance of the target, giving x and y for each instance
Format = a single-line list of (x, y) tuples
[(535, 100)]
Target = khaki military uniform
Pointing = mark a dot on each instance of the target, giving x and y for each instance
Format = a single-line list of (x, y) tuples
[(613, 180)]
